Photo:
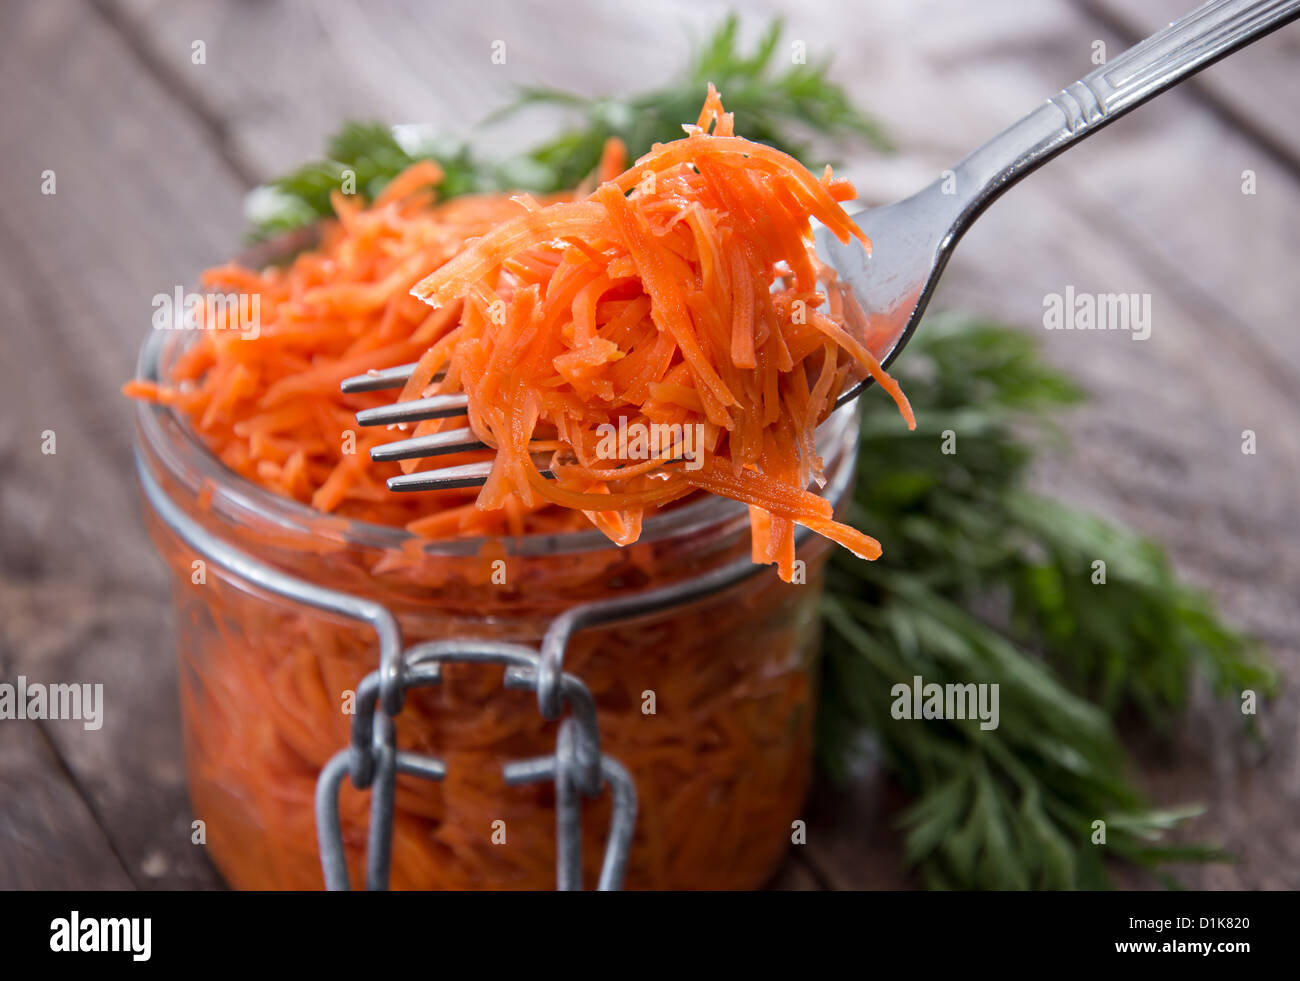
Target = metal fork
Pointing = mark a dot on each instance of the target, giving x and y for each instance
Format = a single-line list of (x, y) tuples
[(460, 440), (912, 239)]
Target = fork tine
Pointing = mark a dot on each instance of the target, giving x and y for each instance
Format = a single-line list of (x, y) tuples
[(448, 441), (378, 379), (435, 444), (433, 407), (448, 478)]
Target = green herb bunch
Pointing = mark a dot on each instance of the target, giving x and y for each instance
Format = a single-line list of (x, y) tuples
[(775, 107), (981, 582), (984, 582)]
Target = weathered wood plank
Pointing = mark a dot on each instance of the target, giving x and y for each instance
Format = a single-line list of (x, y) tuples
[(141, 204), (48, 839), (283, 75), (84, 631)]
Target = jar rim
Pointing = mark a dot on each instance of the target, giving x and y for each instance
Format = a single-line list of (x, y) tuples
[(170, 437)]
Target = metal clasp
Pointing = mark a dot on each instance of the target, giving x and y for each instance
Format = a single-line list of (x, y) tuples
[(577, 766)]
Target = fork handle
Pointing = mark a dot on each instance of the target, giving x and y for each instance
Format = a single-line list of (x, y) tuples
[(1201, 38)]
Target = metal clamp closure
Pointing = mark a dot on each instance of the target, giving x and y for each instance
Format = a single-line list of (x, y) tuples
[(372, 760)]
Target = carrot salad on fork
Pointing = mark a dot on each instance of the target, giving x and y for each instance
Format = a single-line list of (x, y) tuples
[(670, 332)]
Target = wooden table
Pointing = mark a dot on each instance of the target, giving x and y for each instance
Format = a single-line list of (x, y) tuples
[(153, 153)]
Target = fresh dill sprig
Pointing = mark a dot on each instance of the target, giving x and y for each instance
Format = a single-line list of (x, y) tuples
[(780, 107), (365, 155)]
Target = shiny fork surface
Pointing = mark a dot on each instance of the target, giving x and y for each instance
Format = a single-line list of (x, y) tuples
[(913, 239), (445, 443)]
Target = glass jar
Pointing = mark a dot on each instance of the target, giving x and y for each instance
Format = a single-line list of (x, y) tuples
[(708, 704)]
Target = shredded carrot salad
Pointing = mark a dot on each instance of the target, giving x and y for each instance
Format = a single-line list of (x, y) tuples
[(669, 333), (681, 299), (682, 293)]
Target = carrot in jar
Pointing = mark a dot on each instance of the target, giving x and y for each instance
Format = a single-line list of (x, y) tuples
[(261, 684)]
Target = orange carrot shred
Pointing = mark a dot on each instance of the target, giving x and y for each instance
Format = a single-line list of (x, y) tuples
[(694, 265)]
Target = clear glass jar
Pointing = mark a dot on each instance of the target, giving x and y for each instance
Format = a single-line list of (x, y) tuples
[(721, 765)]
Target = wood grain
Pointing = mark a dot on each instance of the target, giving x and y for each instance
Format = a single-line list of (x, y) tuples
[(48, 838), (141, 204), (1257, 93)]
